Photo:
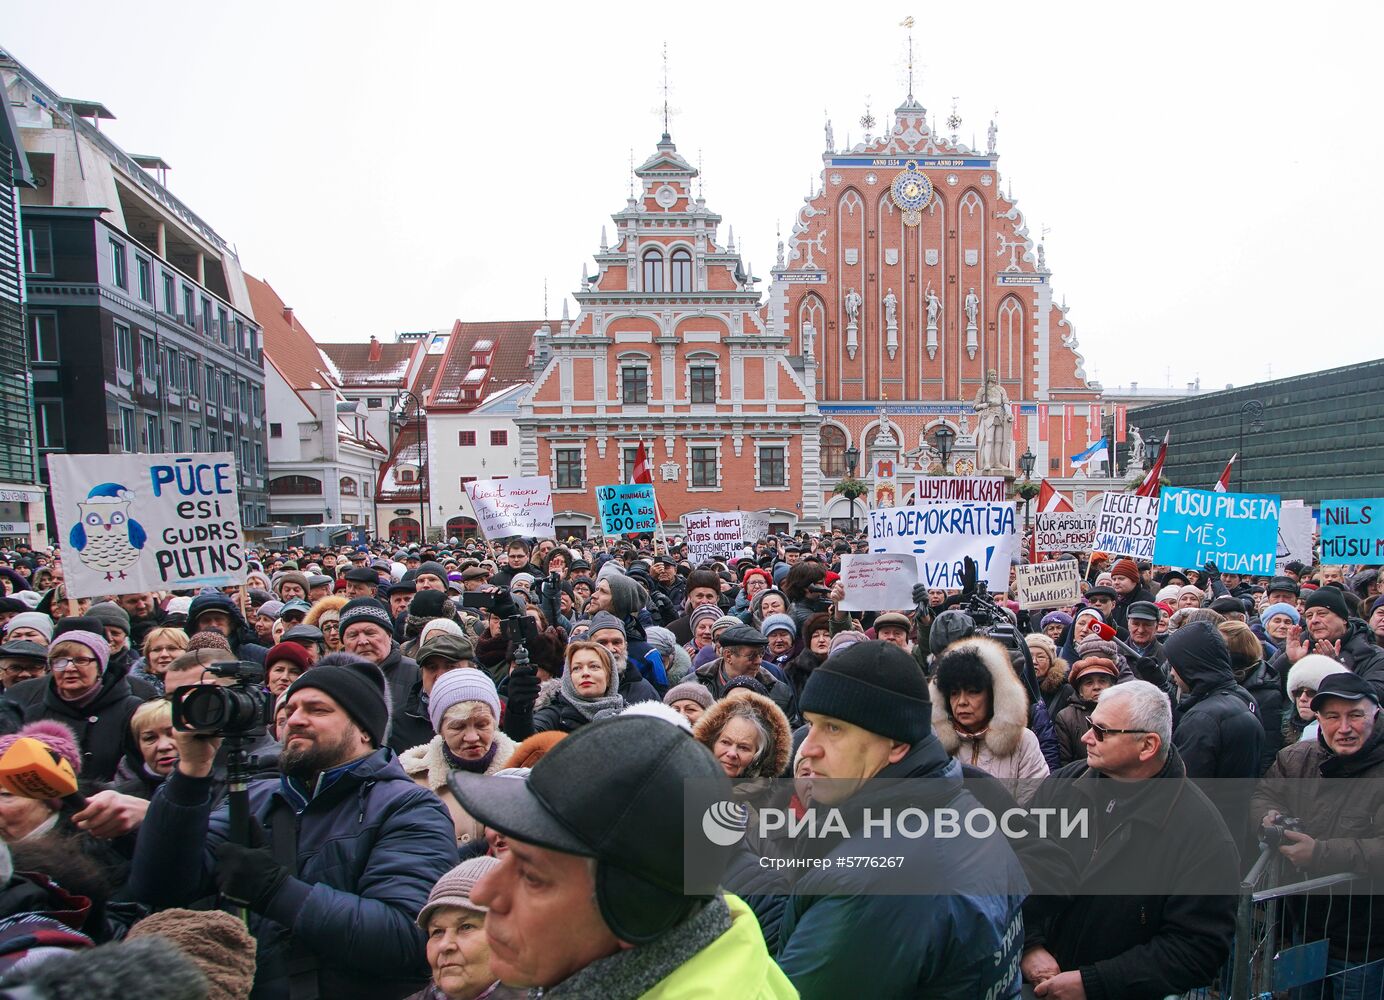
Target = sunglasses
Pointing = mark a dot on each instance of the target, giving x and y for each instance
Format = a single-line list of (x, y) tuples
[(1101, 732)]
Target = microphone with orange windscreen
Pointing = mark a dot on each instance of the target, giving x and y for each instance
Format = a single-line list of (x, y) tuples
[(30, 770)]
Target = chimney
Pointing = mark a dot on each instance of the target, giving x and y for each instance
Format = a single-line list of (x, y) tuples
[(375, 352), (288, 315)]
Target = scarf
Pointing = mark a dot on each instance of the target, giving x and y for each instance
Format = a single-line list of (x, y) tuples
[(589, 707), (477, 766), (632, 972), (84, 699)]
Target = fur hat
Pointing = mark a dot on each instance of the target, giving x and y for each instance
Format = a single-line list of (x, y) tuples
[(1310, 671), (214, 941), (532, 750)]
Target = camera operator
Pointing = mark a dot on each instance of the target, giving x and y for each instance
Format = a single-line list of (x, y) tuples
[(356, 845), (1339, 825)]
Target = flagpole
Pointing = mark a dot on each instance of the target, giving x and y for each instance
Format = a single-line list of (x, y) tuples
[(654, 490)]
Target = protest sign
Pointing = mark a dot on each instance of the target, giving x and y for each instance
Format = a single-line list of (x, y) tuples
[(133, 523), (1125, 526), (1295, 528), (1064, 531), (1236, 531), (754, 526), (942, 535), (953, 489), (1352, 531), (1054, 584), (507, 507), (627, 509), (712, 535), (878, 581)]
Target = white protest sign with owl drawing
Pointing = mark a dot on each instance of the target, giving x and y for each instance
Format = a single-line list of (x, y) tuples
[(134, 523)]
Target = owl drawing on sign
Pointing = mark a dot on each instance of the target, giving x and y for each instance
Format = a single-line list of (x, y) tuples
[(106, 537)]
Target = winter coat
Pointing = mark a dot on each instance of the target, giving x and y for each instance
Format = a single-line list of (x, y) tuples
[(1072, 723), (102, 726), (428, 766), (400, 674), (409, 725), (1141, 946), (780, 693), (1119, 617), (552, 710), (243, 639), (1057, 692), (842, 929), (1217, 733), (773, 759), (1308, 781), (1006, 749), (1358, 652), (371, 845), (1263, 686)]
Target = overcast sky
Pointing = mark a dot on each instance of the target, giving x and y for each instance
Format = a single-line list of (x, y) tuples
[(1209, 170)]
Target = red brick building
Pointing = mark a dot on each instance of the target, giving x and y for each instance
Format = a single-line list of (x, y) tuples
[(670, 348)]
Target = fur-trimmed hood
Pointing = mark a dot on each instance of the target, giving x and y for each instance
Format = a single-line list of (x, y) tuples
[(428, 759), (1056, 676), (775, 761), (1009, 701)]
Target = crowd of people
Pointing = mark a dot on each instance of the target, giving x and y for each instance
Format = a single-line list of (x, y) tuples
[(472, 776)]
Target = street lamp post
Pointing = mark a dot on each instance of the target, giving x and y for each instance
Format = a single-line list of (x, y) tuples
[(401, 421), (1255, 411), (943, 438), (1026, 462), (852, 460)]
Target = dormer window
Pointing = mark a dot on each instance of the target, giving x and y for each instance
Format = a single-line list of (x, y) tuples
[(653, 271)]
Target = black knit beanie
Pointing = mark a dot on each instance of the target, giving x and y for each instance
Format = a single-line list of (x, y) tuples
[(435, 569), (427, 604), (874, 685), (1330, 598), (365, 609), (358, 688)]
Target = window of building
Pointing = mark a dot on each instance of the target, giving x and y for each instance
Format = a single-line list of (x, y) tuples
[(211, 384), (189, 307), (374, 402), (276, 430), (405, 475), (148, 357), (170, 295), (174, 370), (226, 399), (634, 385), (119, 273), (230, 443), (243, 391), (255, 401), (259, 459), (466, 439), (467, 479), (653, 271), (175, 436), (190, 370), (124, 349), (365, 491), (208, 320), (48, 424), (628, 457), (348, 486), (38, 250), (831, 444), (195, 437), (153, 438), (127, 429), (702, 383), (295, 486), (43, 338), (498, 439), (567, 465), (246, 468), (704, 472), (773, 469), (240, 343), (223, 326), (681, 262), (144, 271)]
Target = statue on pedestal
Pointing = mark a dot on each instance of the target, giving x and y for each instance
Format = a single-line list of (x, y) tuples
[(994, 427), (891, 309), (1135, 461), (934, 308), (853, 303), (972, 306)]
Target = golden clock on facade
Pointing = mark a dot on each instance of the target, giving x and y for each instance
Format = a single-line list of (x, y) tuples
[(911, 190)]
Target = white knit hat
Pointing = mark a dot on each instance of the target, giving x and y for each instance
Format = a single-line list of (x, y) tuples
[(1310, 671), (455, 888)]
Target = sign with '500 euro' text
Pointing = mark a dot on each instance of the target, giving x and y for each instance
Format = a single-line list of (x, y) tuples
[(1236, 531), (133, 523), (942, 535), (627, 509)]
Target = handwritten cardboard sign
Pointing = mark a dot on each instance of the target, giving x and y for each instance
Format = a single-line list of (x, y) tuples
[(712, 535), (1236, 531), (1054, 584), (508, 507), (880, 581), (1064, 531), (950, 489), (133, 523), (941, 536), (1126, 525)]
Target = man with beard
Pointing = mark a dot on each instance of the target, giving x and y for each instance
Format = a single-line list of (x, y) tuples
[(356, 845)]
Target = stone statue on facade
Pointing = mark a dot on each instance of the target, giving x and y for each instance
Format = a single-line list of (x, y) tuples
[(972, 306), (994, 427), (934, 308), (891, 309), (1136, 451), (853, 303)]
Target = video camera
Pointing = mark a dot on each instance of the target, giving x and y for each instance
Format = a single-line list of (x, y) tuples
[(991, 620), (243, 708)]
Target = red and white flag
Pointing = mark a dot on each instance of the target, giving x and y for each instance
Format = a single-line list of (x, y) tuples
[(1149, 487), (1223, 484), (643, 473), (1050, 501)]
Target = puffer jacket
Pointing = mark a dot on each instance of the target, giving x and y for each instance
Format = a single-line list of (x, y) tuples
[(1263, 686), (400, 675), (243, 639), (1006, 749), (101, 726), (1358, 652), (428, 766), (371, 845)]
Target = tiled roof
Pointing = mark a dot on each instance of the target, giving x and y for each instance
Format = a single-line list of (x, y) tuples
[(288, 345), (508, 342), (358, 371)]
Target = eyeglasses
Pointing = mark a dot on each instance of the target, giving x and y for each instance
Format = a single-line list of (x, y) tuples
[(329, 625), (64, 662), (1101, 732)]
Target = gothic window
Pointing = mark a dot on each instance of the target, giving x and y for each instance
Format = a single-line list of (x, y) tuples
[(1011, 327), (832, 452), (653, 271), (682, 270)]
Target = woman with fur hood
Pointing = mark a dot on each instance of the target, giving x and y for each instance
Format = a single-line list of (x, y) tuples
[(1051, 671), (980, 715), (464, 710), (749, 737)]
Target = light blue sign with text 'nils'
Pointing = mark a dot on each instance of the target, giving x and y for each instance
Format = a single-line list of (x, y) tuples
[(1236, 531)]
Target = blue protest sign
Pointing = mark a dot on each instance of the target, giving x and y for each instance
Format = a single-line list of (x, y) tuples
[(1352, 531), (627, 508), (1236, 531)]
